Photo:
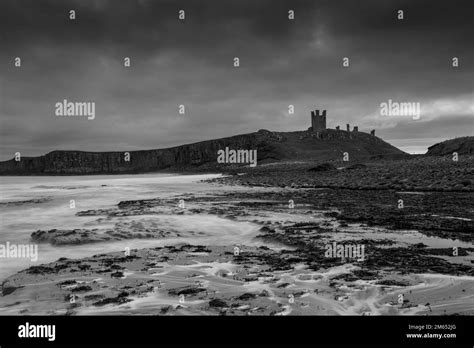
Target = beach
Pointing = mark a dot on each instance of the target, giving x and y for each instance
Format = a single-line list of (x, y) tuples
[(200, 245)]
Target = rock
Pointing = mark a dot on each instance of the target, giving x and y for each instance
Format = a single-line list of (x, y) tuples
[(322, 167), (8, 289), (187, 290), (119, 299), (247, 296), (117, 274), (218, 303)]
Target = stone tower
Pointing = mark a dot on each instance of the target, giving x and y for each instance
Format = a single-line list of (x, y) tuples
[(318, 120)]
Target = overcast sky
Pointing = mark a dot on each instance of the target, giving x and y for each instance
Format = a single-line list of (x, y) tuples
[(190, 62)]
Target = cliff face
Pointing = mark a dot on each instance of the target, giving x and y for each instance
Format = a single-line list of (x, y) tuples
[(463, 146), (270, 146)]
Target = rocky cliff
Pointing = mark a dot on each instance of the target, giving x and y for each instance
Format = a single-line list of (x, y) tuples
[(270, 146)]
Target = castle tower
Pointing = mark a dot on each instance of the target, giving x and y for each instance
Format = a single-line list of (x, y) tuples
[(356, 128), (318, 120), (372, 132), (348, 127)]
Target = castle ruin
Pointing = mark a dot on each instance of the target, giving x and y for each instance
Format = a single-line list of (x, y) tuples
[(318, 120), (318, 124)]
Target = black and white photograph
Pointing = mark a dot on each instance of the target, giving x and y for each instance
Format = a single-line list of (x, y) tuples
[(237, 158)]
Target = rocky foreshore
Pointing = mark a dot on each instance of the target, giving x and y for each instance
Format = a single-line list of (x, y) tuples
[(187, 279), (416, 243), (417, 173)]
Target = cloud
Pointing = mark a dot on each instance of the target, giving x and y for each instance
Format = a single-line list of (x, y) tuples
[(190, 62)]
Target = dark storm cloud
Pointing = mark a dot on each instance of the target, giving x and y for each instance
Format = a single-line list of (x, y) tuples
[(174, 62)]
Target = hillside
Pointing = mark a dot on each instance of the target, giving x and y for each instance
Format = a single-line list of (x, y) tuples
[(270, 146), (463, 146)]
